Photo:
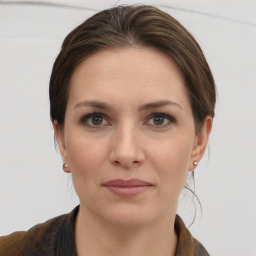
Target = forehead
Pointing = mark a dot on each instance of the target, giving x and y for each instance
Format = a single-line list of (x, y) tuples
[(133, 74)]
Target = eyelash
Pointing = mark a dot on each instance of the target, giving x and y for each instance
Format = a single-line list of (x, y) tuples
[(85, 119), (170, 119)]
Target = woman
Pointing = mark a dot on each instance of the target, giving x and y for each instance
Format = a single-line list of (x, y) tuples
[(132, 100)]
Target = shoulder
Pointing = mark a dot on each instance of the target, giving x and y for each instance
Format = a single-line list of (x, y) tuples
[(187, 244), (199, 249), (10, 245), (35, 238)]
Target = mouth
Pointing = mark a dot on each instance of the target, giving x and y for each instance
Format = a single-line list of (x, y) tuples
[(127, 188)]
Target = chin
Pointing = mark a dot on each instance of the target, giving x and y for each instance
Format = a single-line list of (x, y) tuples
[(129, 216)]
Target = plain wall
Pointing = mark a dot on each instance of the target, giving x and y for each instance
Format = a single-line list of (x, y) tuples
[(33, 187)]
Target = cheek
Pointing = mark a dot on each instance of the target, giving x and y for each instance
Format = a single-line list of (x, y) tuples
[(171, 160), (86, 157)]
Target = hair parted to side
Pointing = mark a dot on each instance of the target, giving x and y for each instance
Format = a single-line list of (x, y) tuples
[(134, 26)]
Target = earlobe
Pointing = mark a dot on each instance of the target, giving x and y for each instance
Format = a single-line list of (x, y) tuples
[(200, 144)]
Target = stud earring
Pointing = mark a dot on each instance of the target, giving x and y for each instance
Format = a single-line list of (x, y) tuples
[(65, 168), (195, 163)]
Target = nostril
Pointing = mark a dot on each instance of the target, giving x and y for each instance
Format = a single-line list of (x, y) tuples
[(126, 164), (126, 156)]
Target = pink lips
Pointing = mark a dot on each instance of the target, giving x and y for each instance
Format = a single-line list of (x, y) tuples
[(126, 188)]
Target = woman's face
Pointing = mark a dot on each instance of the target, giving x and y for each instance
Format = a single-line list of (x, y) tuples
[(129, 138)]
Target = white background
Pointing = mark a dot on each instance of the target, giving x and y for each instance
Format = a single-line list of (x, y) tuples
[(33, 187)]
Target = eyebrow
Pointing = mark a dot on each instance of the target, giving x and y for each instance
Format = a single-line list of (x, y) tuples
[(96, 104), (151, 105), (158, 104)]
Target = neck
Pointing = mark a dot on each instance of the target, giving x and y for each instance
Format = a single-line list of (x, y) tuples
[(95, 238)]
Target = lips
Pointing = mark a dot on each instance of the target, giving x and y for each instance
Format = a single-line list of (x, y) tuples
[(127, 183), (126, 188)]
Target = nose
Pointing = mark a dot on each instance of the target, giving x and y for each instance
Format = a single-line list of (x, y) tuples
[(126, 150)]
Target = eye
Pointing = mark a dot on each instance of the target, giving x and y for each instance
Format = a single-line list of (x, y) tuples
[(161, 119), (94, 120)]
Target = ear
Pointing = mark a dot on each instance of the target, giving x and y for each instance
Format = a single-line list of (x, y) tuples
[(59, 135), (200, 143)]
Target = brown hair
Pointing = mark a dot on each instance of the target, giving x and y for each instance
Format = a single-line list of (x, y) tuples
[(131, 26)]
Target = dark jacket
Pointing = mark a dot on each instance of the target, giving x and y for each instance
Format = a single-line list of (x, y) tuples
[(56, 238)]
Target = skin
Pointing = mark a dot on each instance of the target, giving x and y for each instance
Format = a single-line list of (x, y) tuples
[(129, 143)]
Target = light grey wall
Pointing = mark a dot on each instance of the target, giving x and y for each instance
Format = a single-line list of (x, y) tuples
[(33, 187)]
